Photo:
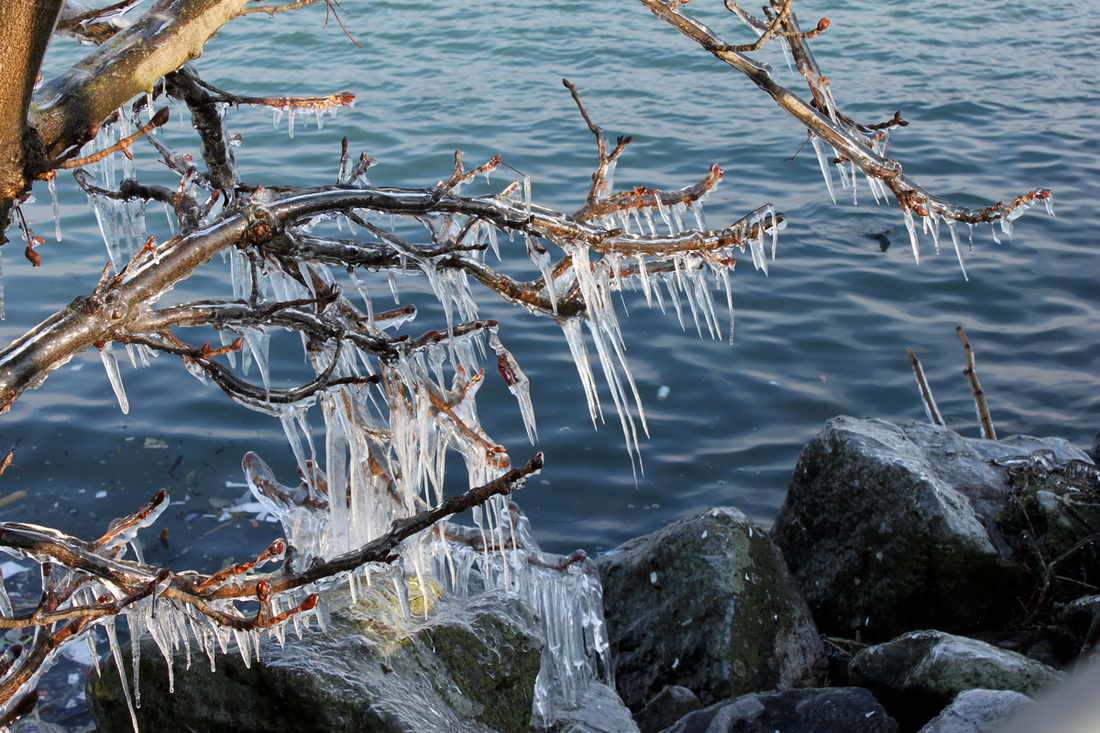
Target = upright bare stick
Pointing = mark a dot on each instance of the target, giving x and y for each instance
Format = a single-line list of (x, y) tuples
[(976, 389)]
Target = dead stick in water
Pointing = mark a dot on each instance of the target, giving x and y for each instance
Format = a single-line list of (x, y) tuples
[(979, 396), (925, 391)]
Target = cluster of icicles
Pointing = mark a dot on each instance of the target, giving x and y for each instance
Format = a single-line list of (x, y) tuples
[(384, 447)]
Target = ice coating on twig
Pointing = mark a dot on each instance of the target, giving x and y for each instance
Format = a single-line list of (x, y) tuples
[(518, 384)]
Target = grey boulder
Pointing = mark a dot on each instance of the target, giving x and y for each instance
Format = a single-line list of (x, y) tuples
[(706, 603), (977, 711), (666, 707), (889, 528), (918, 674), (822, 710), (471, 671)]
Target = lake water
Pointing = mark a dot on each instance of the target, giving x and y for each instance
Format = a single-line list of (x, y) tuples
[(1000, 100)]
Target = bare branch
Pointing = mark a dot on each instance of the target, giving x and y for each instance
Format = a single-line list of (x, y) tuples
[(930, 407), (976, 389), (843, 138)]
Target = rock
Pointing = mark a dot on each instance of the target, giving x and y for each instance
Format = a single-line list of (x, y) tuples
[(1081, 621), (918, 674), (601, 711), (668, 706), (889, 528), (976, 711), (821, 710), (706, 603), (472, 668)]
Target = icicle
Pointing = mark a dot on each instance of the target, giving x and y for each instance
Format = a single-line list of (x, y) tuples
[(257, 342), (697, 210), (664, 214), (89, 639), (622, 221), (643, 275), (137, 629), (822, 160), (290, 112), (527, 195), (609, 179), (1011, 216), (518, 384), (286, 417), (932, 225), (571, 327), (724, 276), (110, 363), (116, 652), (955, 243), (907, 215), (106, 210), (1048, 202), (52, 184), (756, 247), (492, 230), (541, 257), (3, 314), (776, 226), (171, 219), (677, 220), (276, 116), (244, 646)]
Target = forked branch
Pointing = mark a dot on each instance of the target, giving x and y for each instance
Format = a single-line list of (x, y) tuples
[(824, 122)]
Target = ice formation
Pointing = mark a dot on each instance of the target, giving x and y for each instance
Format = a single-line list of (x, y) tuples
[(391, 418)]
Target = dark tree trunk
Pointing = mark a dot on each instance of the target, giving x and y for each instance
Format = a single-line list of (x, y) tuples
[(28, 25)]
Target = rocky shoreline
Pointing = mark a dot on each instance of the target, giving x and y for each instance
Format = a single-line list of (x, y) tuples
[(914, 580)]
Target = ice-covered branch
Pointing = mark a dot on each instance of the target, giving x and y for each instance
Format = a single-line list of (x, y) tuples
[(105, 316), (87, 584), (862, 146), (394, 403)]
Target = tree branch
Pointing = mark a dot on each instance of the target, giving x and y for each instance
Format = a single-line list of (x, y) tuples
[(164, 38), (910, 195)]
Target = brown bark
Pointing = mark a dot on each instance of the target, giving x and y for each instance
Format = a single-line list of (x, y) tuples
[(27, 26), (164, 38)]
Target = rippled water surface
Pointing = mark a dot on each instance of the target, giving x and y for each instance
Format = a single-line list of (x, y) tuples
[(999, 100)]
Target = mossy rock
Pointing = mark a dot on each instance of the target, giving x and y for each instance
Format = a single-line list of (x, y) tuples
[(471, 667)]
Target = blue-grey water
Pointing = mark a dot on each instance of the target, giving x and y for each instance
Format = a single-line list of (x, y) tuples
[(1000, 97)]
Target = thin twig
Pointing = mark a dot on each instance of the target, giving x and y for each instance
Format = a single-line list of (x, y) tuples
[(976, 389), (930, 407)]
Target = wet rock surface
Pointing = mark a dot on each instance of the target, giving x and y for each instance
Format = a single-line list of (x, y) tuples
[(977, 711), (666, 707), (918, 674), (823, 710), (469, 671), (600, 711), (889, 528), (706, 603)]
